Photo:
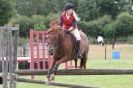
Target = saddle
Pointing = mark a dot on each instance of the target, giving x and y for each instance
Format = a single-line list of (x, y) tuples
[(72, 37)]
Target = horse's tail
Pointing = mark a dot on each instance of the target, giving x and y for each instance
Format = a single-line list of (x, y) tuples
[(85, 46)]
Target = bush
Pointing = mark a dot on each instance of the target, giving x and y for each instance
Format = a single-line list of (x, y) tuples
[(39, 26), (24, 23), (92, 40), (50, 18), (6, 12), (94, 28), (23, 41), (119, 29), (124, 24), (38, 22), (109, 30)]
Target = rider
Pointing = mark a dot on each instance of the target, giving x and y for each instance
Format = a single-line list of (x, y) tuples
[(69, 21)]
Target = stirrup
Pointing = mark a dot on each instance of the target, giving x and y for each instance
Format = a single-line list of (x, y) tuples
[(79, 56)]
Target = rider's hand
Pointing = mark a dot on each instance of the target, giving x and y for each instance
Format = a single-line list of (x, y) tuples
[(71, 28), (67, 31)]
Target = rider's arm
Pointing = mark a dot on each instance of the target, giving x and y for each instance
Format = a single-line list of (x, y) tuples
[(74, 24)]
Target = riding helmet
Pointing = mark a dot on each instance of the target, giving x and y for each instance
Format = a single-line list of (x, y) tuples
[(68, 6)]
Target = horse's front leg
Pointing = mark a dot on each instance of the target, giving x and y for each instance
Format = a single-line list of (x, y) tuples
[(54, 68), (50, 71)]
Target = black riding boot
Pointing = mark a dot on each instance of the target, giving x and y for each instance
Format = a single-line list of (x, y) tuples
[(78, 49)]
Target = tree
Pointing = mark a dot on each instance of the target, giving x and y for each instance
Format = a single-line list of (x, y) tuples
[(88, 10), (35, 7), (59, 4), (40, 7), (109, 33), (121, 27), (124, 25), (6, 12), (92, 9), (109, 7), (94, 28)]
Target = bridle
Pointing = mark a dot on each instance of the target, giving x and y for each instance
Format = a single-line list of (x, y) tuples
[(56, 43)]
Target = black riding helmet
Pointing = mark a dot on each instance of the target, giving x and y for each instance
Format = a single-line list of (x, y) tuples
[(68, 6)]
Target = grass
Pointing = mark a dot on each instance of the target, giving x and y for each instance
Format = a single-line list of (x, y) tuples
[(111, 81), (110, 64), (101, 81), (96, 60)]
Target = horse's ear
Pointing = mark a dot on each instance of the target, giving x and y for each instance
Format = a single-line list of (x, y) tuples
[(51, 30)]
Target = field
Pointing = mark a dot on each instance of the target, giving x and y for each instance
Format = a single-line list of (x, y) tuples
[(96, 60)]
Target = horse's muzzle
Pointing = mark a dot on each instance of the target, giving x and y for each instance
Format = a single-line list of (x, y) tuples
[(50, 51)]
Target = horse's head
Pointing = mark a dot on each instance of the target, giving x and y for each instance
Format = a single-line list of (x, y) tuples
[(53, 36), (54, 26)]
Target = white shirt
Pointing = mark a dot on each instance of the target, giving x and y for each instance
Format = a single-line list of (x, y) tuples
[(99, 39)]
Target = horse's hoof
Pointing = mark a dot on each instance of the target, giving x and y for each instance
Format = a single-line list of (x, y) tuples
[(52, 78), (47, 83), (48, 79), (48, 76)]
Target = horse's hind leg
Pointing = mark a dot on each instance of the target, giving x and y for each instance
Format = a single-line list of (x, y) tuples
[(83, 61), (75, 60)]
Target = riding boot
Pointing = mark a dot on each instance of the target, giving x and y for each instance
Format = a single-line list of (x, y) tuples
[(78, 49)]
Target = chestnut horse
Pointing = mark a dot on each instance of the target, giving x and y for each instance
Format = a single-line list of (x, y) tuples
[(63, 46)]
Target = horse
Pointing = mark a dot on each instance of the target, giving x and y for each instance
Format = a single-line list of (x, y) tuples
[(62, 46)]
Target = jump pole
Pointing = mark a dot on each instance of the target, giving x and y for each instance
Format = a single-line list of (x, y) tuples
[(52, 83), (79, 72)]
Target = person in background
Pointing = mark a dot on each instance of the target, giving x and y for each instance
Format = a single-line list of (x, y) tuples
[(100, 40)]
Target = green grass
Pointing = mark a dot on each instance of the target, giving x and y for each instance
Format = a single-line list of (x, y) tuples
[(101, 81), (111, 81), (110, 63)]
